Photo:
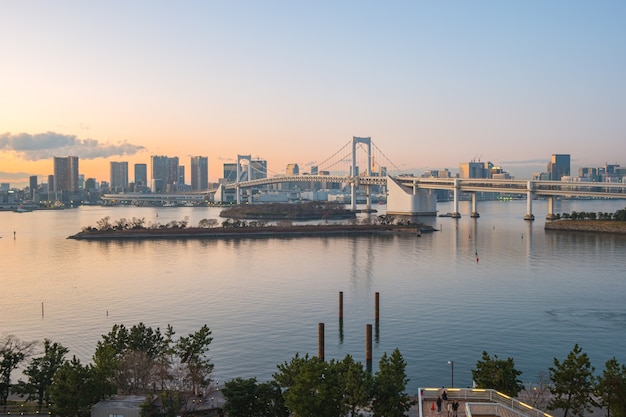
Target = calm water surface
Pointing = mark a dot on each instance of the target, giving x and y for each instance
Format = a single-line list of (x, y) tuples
[(531, 295)]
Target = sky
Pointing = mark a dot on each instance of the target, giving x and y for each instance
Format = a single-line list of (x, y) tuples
[(433, 83)]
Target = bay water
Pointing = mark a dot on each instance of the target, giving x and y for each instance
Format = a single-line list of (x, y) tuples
[(497, 284)]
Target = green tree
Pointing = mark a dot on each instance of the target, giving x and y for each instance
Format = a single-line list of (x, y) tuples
[(40, 372), (103, 370), (389, 393), (126, 360), (192, 351), (498, 374), (72, 392), (247, 398), (572, 383), (611, 388), (357, 384), (240, 397), (12, 352), (312, 387)]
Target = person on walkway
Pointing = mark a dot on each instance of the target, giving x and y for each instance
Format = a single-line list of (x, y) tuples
[(455, 408), (439, 402), (444, 394)]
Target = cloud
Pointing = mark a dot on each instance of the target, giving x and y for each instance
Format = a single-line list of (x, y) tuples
[(34, 147), (538, 161)]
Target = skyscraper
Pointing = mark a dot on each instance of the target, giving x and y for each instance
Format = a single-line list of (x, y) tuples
[(230, 172), (141, 174), (119, 176), (559, 166), (66, 173), (292, 169), (258, 168), (199, 173), (33, 186), (159, 173), (165, 173), (172, 174)]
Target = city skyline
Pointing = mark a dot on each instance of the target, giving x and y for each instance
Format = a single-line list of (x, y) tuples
[(433, 84)]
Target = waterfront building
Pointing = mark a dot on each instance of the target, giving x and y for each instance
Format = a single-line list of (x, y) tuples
[(180, 181), (165, 175), (119, 176), (473, 169), (292, 169), (559, 166), (33, 186), (199, 173), (172, 174), (258, 169), (66, 173), (141, 174)]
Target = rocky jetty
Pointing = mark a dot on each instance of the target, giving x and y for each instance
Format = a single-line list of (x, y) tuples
[(250, 232), (596, 226)]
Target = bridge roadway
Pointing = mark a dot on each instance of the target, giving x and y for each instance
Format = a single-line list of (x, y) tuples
[(549, 189)]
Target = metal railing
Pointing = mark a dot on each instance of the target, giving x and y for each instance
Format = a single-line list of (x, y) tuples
[(482, 402)]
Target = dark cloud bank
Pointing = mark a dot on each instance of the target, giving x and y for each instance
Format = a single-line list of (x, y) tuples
[(34, 147)]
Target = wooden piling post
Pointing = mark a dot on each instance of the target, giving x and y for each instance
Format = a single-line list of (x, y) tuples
[(320, 341), (340, 305), (377, 306), (368, 343)]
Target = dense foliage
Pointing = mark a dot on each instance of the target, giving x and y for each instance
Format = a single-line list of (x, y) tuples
[(170, 372), (573, 384), (498, 374), (619, 215)]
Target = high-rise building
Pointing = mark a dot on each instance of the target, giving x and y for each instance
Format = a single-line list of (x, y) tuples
[(199, 173), (559, 166), (258, 169), (66, 173), (141, 174), (473, 170), (166, 174), (33, 186), (230, 172), (292, 169), (119, 176), (180, 180)]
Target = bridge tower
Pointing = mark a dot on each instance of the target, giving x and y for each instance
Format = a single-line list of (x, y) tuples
[(239, 173), (354, 174)]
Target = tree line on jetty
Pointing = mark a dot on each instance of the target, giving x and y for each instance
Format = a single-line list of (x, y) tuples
[(107, 225), (175, 376), (619, 215)]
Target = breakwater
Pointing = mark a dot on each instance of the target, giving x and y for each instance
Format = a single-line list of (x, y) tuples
[(597, 226), (249, 232)]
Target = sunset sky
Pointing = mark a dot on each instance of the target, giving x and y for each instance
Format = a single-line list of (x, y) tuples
[(434, 83)]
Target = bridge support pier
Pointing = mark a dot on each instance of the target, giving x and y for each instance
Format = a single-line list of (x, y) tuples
[(550, 215), (529, 202), (474, 211), (455, 213)]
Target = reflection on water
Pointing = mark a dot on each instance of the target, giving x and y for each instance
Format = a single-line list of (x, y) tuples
[(496, 283)]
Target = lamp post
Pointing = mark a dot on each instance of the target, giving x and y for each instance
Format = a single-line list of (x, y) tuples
[(451, 363)]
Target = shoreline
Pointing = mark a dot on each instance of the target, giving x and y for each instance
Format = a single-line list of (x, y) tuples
[(594, 226), (252, 232)]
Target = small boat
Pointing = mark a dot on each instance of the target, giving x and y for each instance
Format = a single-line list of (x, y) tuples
[(22, 209)]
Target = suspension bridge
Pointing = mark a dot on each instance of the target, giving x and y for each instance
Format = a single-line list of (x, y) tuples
[(361, 164)]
